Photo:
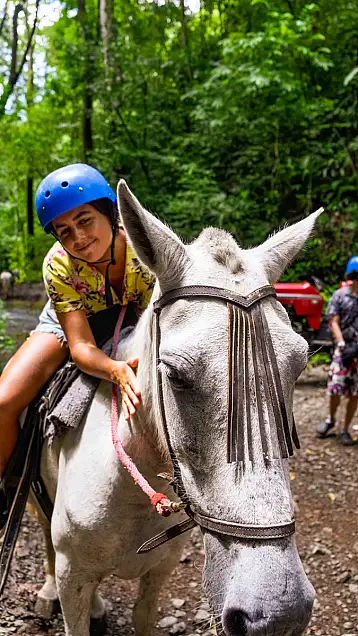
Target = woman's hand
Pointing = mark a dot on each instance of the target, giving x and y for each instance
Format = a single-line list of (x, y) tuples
[(124, 376), (92, 360)]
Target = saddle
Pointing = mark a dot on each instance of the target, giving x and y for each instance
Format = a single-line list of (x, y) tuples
[(23, 471)]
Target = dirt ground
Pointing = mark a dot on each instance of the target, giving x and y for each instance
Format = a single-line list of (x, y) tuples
[(324, 481)]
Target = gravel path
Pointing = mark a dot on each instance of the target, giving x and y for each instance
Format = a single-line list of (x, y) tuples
[(324, 482)]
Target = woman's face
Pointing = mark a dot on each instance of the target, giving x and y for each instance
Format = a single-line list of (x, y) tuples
[(84, 232)]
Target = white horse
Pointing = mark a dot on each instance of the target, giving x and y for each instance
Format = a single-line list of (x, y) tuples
[(101, 517)]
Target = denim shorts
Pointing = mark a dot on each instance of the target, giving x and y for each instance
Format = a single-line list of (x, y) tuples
[(48, 323)]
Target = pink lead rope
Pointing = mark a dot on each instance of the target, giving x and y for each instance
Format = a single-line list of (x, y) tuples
[(160, 502)]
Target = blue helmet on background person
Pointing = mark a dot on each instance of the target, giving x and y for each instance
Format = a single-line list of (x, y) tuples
[(352, 266), (68, 187)]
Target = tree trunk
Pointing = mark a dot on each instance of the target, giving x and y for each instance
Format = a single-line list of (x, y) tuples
[(30, 198), (107, 29), (14, 43), (87, 82), (15, 68), (30, 206), (4, 16), (185, 39)]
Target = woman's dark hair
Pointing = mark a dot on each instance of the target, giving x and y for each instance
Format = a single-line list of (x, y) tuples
[(108, 209), (353, 275)]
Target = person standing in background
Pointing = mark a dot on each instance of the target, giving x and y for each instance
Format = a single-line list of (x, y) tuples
[(343, 372)]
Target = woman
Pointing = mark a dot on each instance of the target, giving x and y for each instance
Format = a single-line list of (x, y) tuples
[(89, 268)]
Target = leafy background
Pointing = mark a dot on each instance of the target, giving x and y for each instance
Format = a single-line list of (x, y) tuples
[(240, 114)]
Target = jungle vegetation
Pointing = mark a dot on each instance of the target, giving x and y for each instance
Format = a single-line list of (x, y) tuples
[(236, 113)]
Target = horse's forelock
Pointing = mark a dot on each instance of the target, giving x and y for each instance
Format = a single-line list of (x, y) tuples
[(222, 247)]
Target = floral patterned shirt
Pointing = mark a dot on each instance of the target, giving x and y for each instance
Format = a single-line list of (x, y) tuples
[(72, 284)]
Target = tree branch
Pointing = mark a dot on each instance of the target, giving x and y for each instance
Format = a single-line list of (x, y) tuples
[(29, 42), (291, 7), (3, 19), (14, 43), (14, 76)]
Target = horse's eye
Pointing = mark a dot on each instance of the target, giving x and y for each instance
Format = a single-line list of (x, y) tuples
[(174, 378)]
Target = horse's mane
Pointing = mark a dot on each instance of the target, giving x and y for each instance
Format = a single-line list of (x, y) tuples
[(140, 343)]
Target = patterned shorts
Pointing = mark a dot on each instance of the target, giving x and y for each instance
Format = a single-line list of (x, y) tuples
[(342, 380)]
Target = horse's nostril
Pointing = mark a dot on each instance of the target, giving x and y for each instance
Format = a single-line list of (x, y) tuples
[(234, 622)]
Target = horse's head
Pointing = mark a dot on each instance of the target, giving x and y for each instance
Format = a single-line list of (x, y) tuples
[(213, 371)]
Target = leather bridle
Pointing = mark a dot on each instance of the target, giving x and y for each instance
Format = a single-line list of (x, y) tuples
[(248, 335)]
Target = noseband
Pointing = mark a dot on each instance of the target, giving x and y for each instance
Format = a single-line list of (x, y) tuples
[(248, 335)]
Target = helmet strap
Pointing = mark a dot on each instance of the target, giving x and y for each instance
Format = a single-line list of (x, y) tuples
[(107, 286), (112, 261)]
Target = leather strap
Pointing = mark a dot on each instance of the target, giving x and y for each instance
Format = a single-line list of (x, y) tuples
[(166, 535), (228, 528), (201, 291), (253, 532), (281, 409), (257, 384), (295, 439), (37, 484), (26, 443), (232, 445), (251, 333), (177, 481)]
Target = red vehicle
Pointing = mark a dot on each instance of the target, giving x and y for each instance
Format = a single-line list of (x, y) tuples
[(304, 305)]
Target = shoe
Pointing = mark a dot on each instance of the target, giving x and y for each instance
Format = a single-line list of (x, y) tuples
[(324, 427), (346, 439)]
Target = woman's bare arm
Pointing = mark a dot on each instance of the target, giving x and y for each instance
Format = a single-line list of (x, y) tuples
[(336, 329), (93, 361)]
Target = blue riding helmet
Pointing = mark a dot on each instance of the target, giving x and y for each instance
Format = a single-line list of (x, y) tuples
[(352, 265), (68, 187)]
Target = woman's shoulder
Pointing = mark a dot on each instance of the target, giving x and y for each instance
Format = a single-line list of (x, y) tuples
[(131, 258), (134, 266), (58, 261)]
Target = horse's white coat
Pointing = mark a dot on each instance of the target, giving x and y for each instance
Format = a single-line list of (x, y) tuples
[(100, 516)]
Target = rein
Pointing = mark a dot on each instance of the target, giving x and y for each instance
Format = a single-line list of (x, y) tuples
[(160, 502), (248, 334)]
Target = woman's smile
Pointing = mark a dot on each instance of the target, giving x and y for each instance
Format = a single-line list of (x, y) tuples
[(86, 247)]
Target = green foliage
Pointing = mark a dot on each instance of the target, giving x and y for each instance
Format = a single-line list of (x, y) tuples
[(319, 358), (7, 345), (242, 116)]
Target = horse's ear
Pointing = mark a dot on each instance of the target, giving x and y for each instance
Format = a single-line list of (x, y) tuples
[(156, 245), (281, 248)]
